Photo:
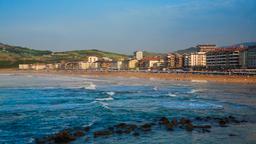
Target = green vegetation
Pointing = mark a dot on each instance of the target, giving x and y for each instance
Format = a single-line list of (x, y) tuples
[(12, 56)]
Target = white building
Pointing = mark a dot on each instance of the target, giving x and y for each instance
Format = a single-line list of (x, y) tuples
[(38, 66), (24, 66), (92, 59), (138, 55), (197, 59)]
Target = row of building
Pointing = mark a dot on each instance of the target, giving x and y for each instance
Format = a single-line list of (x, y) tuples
[(207, 57)]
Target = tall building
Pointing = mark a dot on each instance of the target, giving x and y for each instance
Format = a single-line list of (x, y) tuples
[(248, 57), (186, 60), (225, 58), (206, 47), (138, 55), (197, 59), (174, 60)]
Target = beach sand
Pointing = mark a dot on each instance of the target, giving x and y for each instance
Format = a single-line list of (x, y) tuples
[(166, 76)]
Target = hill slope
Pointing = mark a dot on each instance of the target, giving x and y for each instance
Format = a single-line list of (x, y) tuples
[(12, 56)]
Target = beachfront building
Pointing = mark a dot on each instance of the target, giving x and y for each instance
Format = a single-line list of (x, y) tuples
[(248, 57), (225, 58), (174, 61), (197, 59), (92, 59), (138, 55), (186, 60), (132, 64), (148, 63), (38, 66), (72, 66), (24, 66), (206, 47)]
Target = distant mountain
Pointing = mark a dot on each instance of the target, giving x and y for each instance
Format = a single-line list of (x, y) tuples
[(187, 51), (12, 56), (247, 43)]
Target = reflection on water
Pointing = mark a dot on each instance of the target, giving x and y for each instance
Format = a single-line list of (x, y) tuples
[(38, 105)]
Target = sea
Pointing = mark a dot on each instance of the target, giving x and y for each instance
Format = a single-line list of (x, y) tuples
[(34, 106)]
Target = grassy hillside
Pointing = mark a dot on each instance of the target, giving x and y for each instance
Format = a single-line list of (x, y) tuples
[(12, 56)]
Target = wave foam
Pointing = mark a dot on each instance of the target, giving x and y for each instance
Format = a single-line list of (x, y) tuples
[(199, 81), (111, 93), (172, 95), (90, 86), (104, 99)]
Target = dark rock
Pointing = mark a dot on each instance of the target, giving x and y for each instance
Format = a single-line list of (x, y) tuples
[(136, 134), (78, 134), (174, 122), (111, 128), (121, 125), (87, 128), (102, 133), (189, 126), (63, 137), (184, 121), (203, 126), (232, 135), (204, 130), (125, 128), (164, 120), (146, 127), (222, 123), (169, 126)]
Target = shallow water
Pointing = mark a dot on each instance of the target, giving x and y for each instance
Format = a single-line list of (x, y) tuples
[(34, 106)]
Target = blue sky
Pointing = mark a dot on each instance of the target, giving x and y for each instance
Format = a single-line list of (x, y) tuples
[(126, 25)]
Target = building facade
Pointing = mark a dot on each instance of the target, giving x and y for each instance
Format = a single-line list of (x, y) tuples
[(138, 55), (248, 57), (174, 61), (206, 47), (225, 58), (197, 59)]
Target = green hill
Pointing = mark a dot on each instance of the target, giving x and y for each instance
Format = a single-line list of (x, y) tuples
[(12, 56)]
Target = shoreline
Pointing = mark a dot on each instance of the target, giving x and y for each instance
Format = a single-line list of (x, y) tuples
[(200, 78)]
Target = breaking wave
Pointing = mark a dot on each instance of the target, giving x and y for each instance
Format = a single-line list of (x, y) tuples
[(90, 86), (111, 93), (104, 99)]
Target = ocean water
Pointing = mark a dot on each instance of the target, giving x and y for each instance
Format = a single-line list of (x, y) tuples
[(35, 106)]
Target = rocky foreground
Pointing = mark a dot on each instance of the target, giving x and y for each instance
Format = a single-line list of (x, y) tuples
[(136, 130)]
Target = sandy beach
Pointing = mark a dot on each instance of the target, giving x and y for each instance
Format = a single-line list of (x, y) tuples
[(166, 76)]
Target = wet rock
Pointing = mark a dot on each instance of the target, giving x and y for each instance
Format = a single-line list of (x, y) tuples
[(63, 137), (184, 121), (102, 133), (125, 128), (189, 126), (231, 135), (136, 134), (87, 128), (174, 122), (169, 126), (146, 127), (111, 128), (222, 123), (203, 126), (121, 125), (164, 120), (78, 134)]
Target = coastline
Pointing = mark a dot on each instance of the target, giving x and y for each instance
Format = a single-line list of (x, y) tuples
[(164, 76)]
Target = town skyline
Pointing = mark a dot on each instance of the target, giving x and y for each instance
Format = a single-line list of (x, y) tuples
[(126, 26)]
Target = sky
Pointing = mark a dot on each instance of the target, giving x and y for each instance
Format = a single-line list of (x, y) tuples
[(126, 25)]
